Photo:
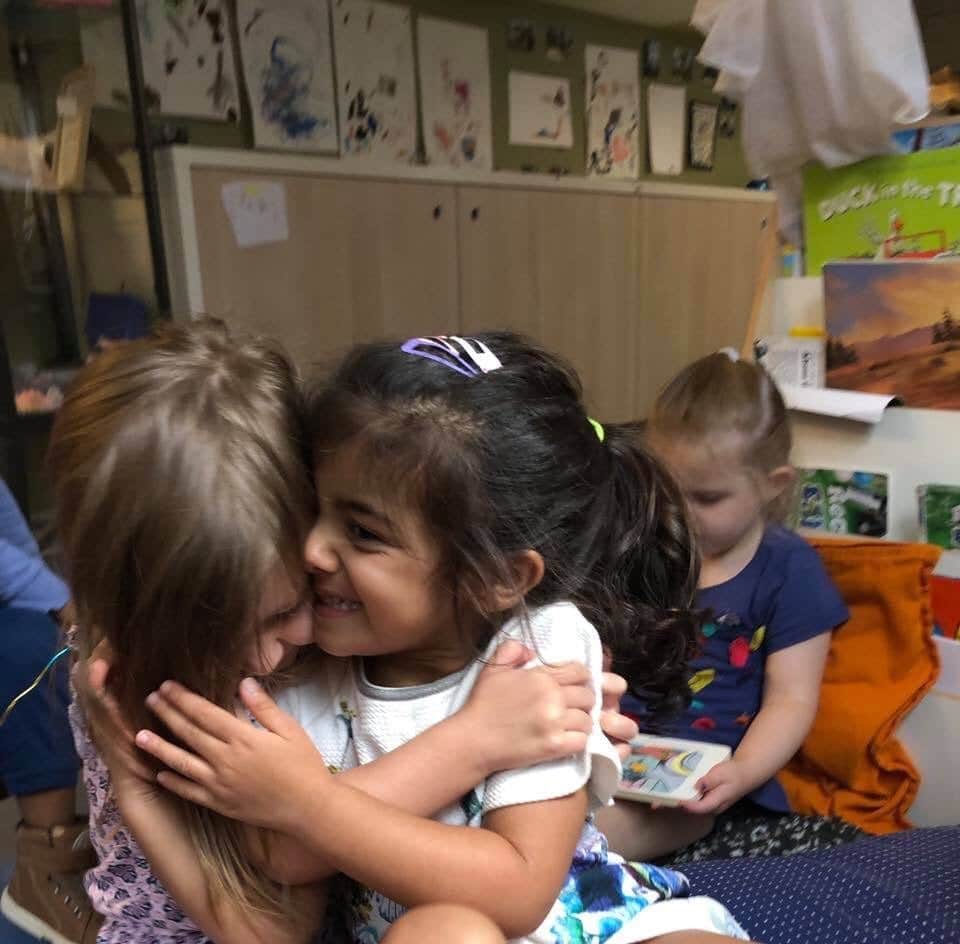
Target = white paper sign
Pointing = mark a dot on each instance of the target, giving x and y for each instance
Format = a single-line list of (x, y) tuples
[(666, 117), (540, 110), (257, 210)]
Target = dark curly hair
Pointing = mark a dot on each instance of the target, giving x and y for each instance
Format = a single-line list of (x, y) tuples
[(507, 461)]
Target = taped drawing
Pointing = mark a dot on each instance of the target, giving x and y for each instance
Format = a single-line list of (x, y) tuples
[(288, 66), (375, 81), (455, 93), (540, 110), (613, 112)]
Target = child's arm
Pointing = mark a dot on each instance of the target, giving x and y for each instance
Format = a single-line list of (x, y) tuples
[(791, 692), (512, 719), (283, 784)]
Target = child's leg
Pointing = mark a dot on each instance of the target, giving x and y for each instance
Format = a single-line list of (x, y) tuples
[(640, 834), (446, 924)]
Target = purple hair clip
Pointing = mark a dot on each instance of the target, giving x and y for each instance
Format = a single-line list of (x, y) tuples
[(466, 356)]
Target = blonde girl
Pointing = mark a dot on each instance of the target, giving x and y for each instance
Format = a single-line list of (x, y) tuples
[(722, 429)]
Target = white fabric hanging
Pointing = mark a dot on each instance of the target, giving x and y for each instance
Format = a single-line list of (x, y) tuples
[(818, 80)]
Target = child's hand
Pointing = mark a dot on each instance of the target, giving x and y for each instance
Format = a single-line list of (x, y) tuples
[(620, 729), (109, 731), (518, 717), (247, 773), (721, 788)]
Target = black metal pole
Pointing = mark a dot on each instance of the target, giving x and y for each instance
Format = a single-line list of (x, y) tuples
[(138, 104)]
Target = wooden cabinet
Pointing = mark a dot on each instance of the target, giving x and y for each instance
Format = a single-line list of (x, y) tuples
[(697, 266), (560, 267), (629, 282), (363, 260)]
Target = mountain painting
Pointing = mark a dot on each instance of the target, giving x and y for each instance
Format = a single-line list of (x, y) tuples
[(894, 327)]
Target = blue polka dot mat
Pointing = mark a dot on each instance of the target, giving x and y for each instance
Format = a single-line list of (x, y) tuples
[(900, 889)]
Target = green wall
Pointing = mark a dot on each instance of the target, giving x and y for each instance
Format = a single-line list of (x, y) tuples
[(58, 34), (729, 167)]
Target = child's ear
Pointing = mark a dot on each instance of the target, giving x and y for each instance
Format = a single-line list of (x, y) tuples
[(779, 480), (527, 567)]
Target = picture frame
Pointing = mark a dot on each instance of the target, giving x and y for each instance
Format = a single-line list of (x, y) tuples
[(701, 134), (683, 59), (651, 58)]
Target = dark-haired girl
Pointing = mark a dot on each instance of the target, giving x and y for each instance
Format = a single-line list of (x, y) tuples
[(465, 498)]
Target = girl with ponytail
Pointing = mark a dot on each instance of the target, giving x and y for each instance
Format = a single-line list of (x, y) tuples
[(466, 498)]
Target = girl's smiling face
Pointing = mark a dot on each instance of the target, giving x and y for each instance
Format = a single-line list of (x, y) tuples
[(375, 576)]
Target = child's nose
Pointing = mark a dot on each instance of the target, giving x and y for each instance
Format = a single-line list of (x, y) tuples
[(319, 552)]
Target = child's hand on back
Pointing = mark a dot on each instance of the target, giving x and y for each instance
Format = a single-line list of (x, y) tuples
[(518, 717), (721, 788), (247, 773)]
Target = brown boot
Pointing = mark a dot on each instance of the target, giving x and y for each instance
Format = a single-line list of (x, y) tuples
[(45, 896)]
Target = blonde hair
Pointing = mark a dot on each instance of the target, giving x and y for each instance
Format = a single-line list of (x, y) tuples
[(717, 396), (180, 474)]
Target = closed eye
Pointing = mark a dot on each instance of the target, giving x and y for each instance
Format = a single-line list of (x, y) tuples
[(707, 498), (363, 535), (286, 614)]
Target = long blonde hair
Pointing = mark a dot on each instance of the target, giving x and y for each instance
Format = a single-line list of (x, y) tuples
[(180, 474), (718, 396)]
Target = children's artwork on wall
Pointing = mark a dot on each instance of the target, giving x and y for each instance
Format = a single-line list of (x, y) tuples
[(288, 66), (842, 502), (683, 63), (187, 53), (703, 135), (540, 110), (558, 43), (667, 128), (727, 119), (375, 82), (613, 112), (455, 93), (101, 41), (521, 35), (188, 57), (894, 327), (651, 58)]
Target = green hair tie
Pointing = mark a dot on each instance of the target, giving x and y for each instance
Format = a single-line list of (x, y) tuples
[(597, 428)]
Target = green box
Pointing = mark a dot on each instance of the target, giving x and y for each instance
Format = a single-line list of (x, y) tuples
[(906, 206), (940, 515), (841, 502)]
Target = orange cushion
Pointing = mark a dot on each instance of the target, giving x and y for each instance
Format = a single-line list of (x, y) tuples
[(881, 663)]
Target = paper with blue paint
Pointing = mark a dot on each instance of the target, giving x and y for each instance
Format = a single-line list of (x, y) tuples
[(257, 210), (288, 66)]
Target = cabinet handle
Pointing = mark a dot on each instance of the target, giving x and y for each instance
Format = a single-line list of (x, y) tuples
[(437, 211), (475, 213)]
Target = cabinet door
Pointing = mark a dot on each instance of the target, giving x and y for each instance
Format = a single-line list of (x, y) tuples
[(698, 263), (587, 289), (559, 267), (498, 259), (363, 259)]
